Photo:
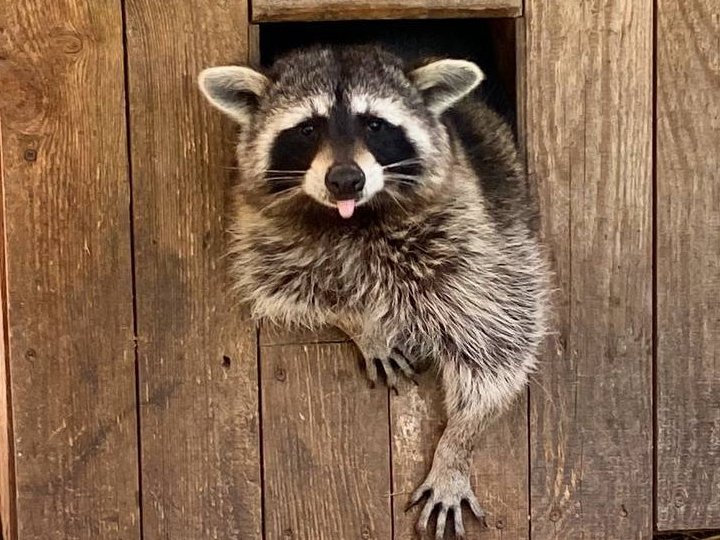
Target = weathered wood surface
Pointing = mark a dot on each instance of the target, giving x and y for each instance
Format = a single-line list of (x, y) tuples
[(339, 459), (325, 445), (69, 292), (589, 135), (326, 10), (271, 334), (499, 470), (7, 453), (688, 264), (198, 359)]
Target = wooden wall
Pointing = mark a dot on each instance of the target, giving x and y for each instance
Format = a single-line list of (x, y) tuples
[(688, 264), (140, 402)]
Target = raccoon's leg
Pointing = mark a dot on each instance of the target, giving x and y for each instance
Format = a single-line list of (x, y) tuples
[(377, 353), (472, 401)]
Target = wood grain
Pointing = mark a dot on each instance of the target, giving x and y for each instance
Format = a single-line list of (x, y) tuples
[(589, 135), (198, 361), (328, 10), (271, 334), (7, 450), (326, 445), (688, 264), (499, 469), (69, 293)]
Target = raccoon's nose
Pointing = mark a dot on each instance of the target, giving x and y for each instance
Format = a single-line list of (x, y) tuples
[(345, 180)]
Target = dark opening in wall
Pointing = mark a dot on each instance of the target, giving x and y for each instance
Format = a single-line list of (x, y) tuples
[(488, 42), (689, 535)]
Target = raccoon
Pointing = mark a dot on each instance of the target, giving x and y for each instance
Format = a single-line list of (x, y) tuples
[(389, 201)]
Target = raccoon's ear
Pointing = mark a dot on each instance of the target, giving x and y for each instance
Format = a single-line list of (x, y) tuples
[(235, 90), (445, 82)]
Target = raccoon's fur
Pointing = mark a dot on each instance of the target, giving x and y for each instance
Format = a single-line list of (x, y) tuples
[(390, 202)]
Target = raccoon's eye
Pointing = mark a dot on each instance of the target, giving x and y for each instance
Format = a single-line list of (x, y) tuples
[(307, 129), (374, 124)]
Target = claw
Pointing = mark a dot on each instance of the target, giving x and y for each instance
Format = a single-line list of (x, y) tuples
[(417, 496), (394, 389), (422, 523), (475, 507), (459, 527), (440, 526), (390, 376), (371, 369), (444, 496), (403, 363)]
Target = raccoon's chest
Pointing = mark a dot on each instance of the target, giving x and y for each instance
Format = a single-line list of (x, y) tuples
[(353, 271)]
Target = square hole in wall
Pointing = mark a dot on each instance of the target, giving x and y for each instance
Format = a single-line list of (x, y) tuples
[(488, 42)]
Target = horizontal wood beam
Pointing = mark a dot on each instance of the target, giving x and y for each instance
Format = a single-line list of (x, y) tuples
[(336, 10)]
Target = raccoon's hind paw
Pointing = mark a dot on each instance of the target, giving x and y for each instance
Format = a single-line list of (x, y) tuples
[(390, 365), (445, 494)]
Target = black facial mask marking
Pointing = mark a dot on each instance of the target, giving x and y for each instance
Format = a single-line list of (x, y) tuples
[(388, 144), (294, 150)]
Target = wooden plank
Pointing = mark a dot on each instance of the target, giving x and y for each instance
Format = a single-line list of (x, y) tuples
[(688, 264), (69, 292), (499, 470), (198, 362), (7, 451), (325, 445), (329, 10), (589, 134)]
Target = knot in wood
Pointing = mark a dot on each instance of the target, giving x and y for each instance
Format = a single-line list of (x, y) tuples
[(280, 374)]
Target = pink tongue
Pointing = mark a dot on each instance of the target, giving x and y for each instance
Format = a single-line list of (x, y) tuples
[(346, 208)]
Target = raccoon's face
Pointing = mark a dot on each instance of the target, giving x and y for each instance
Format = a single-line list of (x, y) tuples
[(342, 126)]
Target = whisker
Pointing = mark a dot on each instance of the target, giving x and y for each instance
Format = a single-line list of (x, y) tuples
[(409, 161), (396, 201), (267, 171), (404, 162), (402, 179), (282, 197)]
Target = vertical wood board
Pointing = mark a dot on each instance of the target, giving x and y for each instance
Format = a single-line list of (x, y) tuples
[(198, 359), (589, 135), (69, 292), (498, 470), (7, 451), (688, 264), (326, 445)]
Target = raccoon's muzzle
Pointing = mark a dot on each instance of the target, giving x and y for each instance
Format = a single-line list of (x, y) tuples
[(345, 182)]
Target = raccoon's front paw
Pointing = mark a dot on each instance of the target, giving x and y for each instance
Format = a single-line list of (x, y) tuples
[(390, 364), (446, 490)]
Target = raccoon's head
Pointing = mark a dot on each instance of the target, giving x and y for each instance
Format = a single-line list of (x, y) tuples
[(346, 127)]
